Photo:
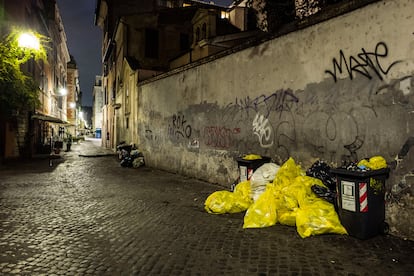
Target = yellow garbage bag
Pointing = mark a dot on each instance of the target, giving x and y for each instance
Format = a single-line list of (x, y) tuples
[(287, 173), (374, 163), (243, 190), (222, 202), (377, 162), (287, 216), (219, 202), (286, 204), (308, 182), (302, 188), (317, 217), (252, 157), (287, 200), (262, 213), (242, 199), (291, 197)]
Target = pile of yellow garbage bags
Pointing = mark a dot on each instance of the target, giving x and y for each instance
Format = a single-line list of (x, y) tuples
[(287, 200)]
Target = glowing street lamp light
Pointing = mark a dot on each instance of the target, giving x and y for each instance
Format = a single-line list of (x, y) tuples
[(63, 91), (24, 45), (29, 40), (72, 105)]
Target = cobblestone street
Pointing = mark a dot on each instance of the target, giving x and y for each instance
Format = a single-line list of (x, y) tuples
[(87, 215)]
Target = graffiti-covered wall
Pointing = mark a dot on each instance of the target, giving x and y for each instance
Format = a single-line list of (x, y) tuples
[(339, 90)]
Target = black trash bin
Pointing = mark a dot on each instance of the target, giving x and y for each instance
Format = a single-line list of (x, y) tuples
[(247, 167), (361, 201)]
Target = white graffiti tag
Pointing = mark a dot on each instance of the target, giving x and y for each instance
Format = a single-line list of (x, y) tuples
[(263, 130)]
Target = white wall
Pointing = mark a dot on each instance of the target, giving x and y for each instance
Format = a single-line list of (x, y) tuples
[(278, 99)]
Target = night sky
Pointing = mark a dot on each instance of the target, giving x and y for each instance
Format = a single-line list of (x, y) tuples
[(84, 40)]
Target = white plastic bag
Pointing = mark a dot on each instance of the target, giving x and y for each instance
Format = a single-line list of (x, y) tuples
[(262, 176)]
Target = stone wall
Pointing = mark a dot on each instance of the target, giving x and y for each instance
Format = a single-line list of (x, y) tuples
[(339, 90)]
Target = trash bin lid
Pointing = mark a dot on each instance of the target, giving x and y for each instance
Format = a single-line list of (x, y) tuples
[(359, 173)]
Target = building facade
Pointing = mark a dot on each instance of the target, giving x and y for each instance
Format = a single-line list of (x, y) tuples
[(97, 100), (73, 97), (143, 40), (33, 133)]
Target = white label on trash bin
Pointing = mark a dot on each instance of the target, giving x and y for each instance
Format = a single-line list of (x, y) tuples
[(348, 195), (243, 173)]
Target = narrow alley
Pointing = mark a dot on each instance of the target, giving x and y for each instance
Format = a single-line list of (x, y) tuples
[(87, 215)]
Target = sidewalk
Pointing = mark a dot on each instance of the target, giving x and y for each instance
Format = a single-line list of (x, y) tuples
[(91, 147)]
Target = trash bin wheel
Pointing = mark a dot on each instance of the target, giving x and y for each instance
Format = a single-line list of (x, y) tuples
[(384, 228)]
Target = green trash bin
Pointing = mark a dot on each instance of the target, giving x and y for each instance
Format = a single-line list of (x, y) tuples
[(361, 201)]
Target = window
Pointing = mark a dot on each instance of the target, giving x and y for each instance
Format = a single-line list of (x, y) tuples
[(197, 36), (204, 31), (113, 90), (162, 3), (106, 94), (224, 15), (184, 42), (127, 108), (60, 102), (166, 3), (151, 43)]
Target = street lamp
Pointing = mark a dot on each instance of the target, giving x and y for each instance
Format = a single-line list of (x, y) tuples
[(63, 91), (19, 90), (29, 44), (29, 40)]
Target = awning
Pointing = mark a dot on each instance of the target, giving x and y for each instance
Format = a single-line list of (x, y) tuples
[(49, 119)]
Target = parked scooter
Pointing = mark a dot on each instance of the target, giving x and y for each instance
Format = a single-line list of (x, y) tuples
[(129, 155), (123, 149)]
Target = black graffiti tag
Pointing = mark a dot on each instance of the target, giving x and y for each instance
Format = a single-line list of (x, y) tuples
[(279, 101), (179, 127), (362, 63)]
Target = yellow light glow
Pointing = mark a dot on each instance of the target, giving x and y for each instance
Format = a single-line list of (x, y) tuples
[(72, 105), (29, 40), (63, 91), (225, 15)]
